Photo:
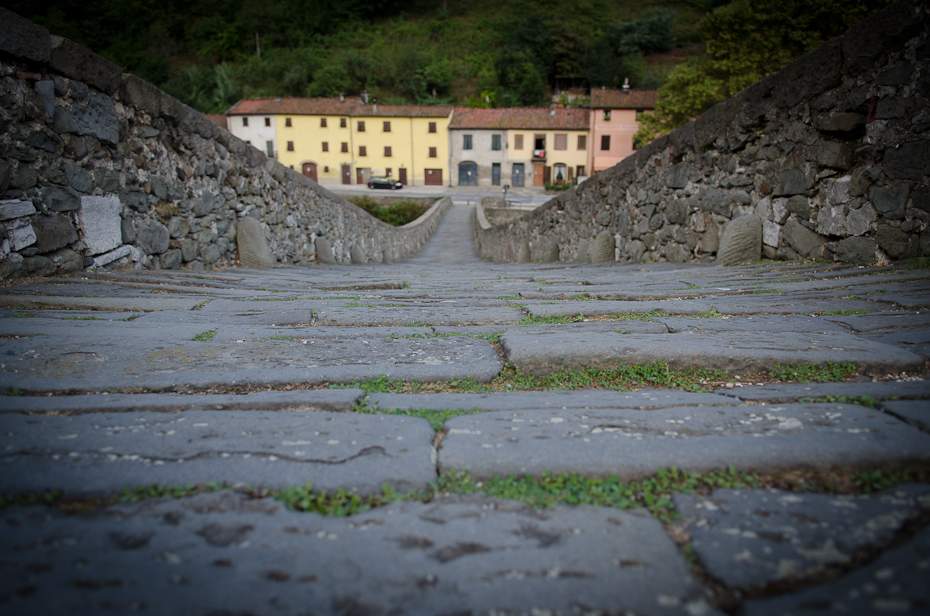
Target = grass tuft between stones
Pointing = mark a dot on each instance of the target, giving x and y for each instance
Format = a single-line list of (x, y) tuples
[(653, 492), (206, 336)]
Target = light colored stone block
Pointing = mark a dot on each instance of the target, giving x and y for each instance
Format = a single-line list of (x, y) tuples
[(14, 209), (23, 235), (771, 233), (100, 220)]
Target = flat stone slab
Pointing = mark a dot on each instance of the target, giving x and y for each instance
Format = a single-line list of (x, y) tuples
[(728, 305), (795, 323), (634, 443), (558, 400), (914, 412), (894, 583), (298, 400), (794, 391), (106, 452), (224, 553), (110, 304), (739, 352), (872, 322), (409, 315), (751, 538), (42, 364)]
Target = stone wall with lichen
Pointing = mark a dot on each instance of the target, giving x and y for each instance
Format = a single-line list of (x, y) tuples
[(101, 169), (832, 153)]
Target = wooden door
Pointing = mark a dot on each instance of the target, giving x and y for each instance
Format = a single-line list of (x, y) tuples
[(433, 177), (402, 175), (359, 176), (517, 175), (309, 170), (468, 174), (539, 170), (346, 174)]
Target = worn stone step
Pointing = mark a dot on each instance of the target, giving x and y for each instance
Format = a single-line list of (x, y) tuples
[(633, 443)]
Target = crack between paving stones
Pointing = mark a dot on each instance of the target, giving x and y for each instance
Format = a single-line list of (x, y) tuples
[(206, 454)]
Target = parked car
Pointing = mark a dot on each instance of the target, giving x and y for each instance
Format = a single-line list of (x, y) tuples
[(387, 183)]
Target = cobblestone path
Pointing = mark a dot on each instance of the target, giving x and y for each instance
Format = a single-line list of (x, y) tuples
[(789, 397)]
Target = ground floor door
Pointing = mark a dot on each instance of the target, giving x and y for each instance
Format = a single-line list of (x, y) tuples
[(309, 170), (402, 175), (362, 174), (495, 174), (346, 174), (433, 177), (518, 175), (539, 171), (468, 174)]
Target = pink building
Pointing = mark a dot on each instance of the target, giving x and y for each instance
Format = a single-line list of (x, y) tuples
[(613, 123)]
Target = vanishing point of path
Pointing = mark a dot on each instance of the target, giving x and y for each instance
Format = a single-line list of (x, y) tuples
[(788, 396)]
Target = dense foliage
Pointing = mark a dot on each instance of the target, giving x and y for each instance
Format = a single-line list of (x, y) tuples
[(746, 40), (210, 53)]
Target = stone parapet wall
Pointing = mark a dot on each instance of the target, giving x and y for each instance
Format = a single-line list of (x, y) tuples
[(101, 169), (831, 153)]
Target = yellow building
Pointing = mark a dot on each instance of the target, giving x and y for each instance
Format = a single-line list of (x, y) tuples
[(345, 141)]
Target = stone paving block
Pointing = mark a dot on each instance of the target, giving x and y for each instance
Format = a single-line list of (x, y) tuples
[(38, 364), (559, 400), (109, 304), (111, 332), (632, 443), (760, 322), (294, 308), (794, 391), (872, 322), (222, 553), (409, 315), (894, 583), (751, 538), (105, 452), (738, 352), (297, 400), (914, 412), (611, 307)]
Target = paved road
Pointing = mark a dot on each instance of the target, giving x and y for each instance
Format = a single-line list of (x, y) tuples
[(178, 378)]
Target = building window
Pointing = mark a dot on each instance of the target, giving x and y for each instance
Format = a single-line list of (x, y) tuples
[(582, 142), (267, 121), (387, 151), (322, 122), (362, 150), (432, 127), (325, 169), (495, 142), (269, 148), (342, 122), (561, 141), (245, 121), (326, 146), (387, 127), (345, 147), (387, 172), (290, 146), (581, 171), (287, 121), (560, 172), (361, 126), (432, 152), (518, 142), (466, 142), (605, 143), (607, 114)]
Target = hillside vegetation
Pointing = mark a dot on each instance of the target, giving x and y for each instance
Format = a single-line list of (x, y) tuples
[(211, 53)]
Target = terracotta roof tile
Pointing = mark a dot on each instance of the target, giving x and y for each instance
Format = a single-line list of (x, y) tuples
[(527, 118), (351, 106), (217, 118), (403, 111), (613, 98)]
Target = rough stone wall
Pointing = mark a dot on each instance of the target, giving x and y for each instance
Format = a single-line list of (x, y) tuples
[(101, 169), (831, 153)]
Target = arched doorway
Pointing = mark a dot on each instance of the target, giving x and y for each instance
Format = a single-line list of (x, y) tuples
[(309, 170), (468, 174)]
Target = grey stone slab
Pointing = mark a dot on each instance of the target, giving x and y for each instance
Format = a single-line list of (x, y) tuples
[(751, 538), (872, 322), (43, 364), (738, 352), (297, 400), (280, 303), (610, 307), (632, 443), (223, 553), (109, 332), (105, 452), (758, 322), (409, 315), (109, 304), (914, 412), (895, 582), (243, 331), (559, 400), (794, 391)]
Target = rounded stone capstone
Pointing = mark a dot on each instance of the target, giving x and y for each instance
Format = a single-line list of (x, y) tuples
[(253, 249)]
